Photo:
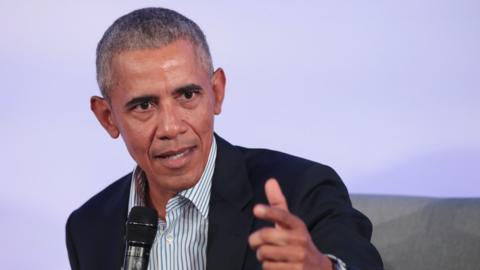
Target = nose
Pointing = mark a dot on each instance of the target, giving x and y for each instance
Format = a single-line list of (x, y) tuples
[(170, 123)]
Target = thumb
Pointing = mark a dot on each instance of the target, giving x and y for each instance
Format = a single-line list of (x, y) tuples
[(275, 195)]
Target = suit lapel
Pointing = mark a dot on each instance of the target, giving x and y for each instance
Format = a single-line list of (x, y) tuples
[(116, 212), (230, 215)]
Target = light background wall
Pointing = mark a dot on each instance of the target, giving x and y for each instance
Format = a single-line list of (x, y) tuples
[(386, 92)]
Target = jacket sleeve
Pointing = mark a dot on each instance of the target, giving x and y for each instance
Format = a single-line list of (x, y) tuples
[(335, 226)]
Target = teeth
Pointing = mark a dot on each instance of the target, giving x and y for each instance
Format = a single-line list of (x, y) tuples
[(176, 156)]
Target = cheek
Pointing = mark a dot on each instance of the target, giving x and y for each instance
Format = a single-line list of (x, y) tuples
[(137, 138), (201, 120)]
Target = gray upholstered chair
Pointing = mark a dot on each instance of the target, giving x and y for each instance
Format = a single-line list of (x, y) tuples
[(424, 233)]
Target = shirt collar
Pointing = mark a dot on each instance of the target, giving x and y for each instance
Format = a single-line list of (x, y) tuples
[(199, 194)]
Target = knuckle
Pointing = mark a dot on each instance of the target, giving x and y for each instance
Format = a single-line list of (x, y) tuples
[(266, 233), (302, 225), (262, 235), (303, 240), (302, 255), (252, 238), (259, 255), (261, 252), (284, 215)]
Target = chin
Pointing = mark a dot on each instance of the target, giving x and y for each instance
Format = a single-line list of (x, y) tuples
[(178, 183)]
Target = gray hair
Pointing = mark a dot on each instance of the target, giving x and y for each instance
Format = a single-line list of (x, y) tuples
[(147, 28)]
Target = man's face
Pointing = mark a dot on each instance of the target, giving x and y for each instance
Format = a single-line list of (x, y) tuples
[(163, 104)]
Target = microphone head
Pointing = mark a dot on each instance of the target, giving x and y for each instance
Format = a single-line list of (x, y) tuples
[(141, 226)]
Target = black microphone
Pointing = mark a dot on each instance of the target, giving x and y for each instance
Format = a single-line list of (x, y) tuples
[(141, 229)]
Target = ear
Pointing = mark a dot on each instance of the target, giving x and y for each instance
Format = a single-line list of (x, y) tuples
[(101, 108), (218, 85)]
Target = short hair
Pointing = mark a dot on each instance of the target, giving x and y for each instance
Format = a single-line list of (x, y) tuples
[(147, 28)]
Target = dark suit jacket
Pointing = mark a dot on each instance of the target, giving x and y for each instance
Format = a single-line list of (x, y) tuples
[(314, 192)]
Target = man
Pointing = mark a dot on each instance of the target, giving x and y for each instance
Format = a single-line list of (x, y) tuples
[(216, 202)]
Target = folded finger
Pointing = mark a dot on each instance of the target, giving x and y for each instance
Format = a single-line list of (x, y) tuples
[(278, 216), (280, 253), (269, 236), (268, 265)]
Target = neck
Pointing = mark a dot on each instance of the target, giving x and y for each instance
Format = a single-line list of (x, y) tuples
[(158, 200)]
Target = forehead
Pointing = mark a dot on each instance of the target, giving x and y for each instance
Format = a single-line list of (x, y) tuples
[(169, 56), (174, 63), (156, 71)]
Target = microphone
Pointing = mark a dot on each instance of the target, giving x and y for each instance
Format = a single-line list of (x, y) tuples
[(141, 230)]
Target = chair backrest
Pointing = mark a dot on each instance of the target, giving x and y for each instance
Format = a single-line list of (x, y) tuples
[(424, 233)]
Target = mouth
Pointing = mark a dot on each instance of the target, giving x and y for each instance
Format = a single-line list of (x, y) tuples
[(176, 154), (175, 158)]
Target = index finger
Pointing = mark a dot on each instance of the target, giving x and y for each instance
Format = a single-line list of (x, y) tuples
[(275, 195)]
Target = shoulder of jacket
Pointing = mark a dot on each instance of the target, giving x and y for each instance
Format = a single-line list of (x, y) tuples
[(97, 203)]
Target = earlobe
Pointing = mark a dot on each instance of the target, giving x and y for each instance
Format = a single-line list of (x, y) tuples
[(101, 108), (218, 85)]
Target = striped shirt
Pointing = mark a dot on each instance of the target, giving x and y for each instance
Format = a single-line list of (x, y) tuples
[(181, 240)]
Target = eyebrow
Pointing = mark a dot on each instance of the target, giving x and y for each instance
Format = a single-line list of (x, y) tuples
[(188, 87), (141, 99)]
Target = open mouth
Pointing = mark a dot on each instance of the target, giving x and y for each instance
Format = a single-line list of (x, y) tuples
[(177, 154)]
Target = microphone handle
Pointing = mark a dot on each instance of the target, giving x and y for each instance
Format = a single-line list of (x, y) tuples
[(136, 258)]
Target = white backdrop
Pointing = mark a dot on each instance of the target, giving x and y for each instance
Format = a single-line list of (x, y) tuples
[(386, 92)]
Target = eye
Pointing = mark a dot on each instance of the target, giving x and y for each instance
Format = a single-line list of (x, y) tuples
[(144, 105), (188, 94)]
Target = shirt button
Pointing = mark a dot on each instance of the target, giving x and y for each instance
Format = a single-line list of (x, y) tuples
[(169, 238)]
